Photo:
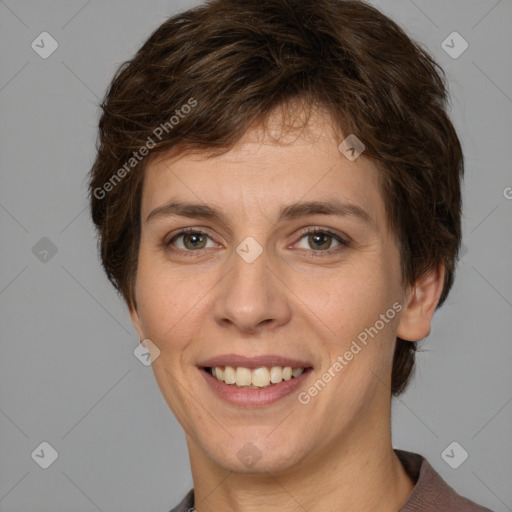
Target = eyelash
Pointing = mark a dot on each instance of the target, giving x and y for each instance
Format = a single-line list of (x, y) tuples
[(309, 231)]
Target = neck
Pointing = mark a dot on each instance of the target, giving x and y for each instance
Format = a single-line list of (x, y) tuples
[(350, 474)]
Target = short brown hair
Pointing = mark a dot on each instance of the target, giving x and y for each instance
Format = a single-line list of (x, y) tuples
[(236, 62)]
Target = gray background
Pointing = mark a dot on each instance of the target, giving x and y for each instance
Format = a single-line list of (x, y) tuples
[(68, 375)]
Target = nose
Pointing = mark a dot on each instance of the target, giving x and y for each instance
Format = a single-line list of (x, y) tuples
[(251, 297)]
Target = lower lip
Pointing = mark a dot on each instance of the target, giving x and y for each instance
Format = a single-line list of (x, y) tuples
[(254, 397)]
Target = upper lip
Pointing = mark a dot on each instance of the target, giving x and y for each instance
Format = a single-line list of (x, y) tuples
[(268, 361)]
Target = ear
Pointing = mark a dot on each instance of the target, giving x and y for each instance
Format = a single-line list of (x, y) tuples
[(420, 305), (136, 321)]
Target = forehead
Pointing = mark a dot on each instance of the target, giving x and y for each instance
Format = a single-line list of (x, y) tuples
[(268, 168)]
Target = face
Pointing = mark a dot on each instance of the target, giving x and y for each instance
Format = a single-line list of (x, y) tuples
[(287, 261)]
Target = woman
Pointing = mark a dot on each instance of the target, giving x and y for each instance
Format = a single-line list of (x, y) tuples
[(277, 196)]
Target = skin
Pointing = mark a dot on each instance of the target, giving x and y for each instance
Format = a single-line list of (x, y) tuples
[(294, 300)]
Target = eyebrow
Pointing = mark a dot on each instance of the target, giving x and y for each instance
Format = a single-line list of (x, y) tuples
[(289, 212)]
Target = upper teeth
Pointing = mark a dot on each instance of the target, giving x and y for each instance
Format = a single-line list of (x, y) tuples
[(256, 377)]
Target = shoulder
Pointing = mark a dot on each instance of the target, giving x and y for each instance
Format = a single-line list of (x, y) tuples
[(186, 504), (431, 493)]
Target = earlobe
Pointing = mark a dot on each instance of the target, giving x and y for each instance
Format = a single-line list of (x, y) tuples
[(420, 305)]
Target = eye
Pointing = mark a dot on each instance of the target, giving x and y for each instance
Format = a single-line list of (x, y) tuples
[(191, 240), (321, 240)]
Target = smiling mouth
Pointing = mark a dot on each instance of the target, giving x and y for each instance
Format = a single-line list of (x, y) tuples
[(254, 378)]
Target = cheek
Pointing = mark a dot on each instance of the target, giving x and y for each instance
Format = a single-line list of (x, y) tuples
[(346, 308), (346, 298), (165, 301)]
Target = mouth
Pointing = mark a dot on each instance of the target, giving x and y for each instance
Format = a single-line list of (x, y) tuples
[(256, 381), (254, 378)]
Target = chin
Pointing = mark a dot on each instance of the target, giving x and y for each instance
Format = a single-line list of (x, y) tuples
[(258, 454)]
